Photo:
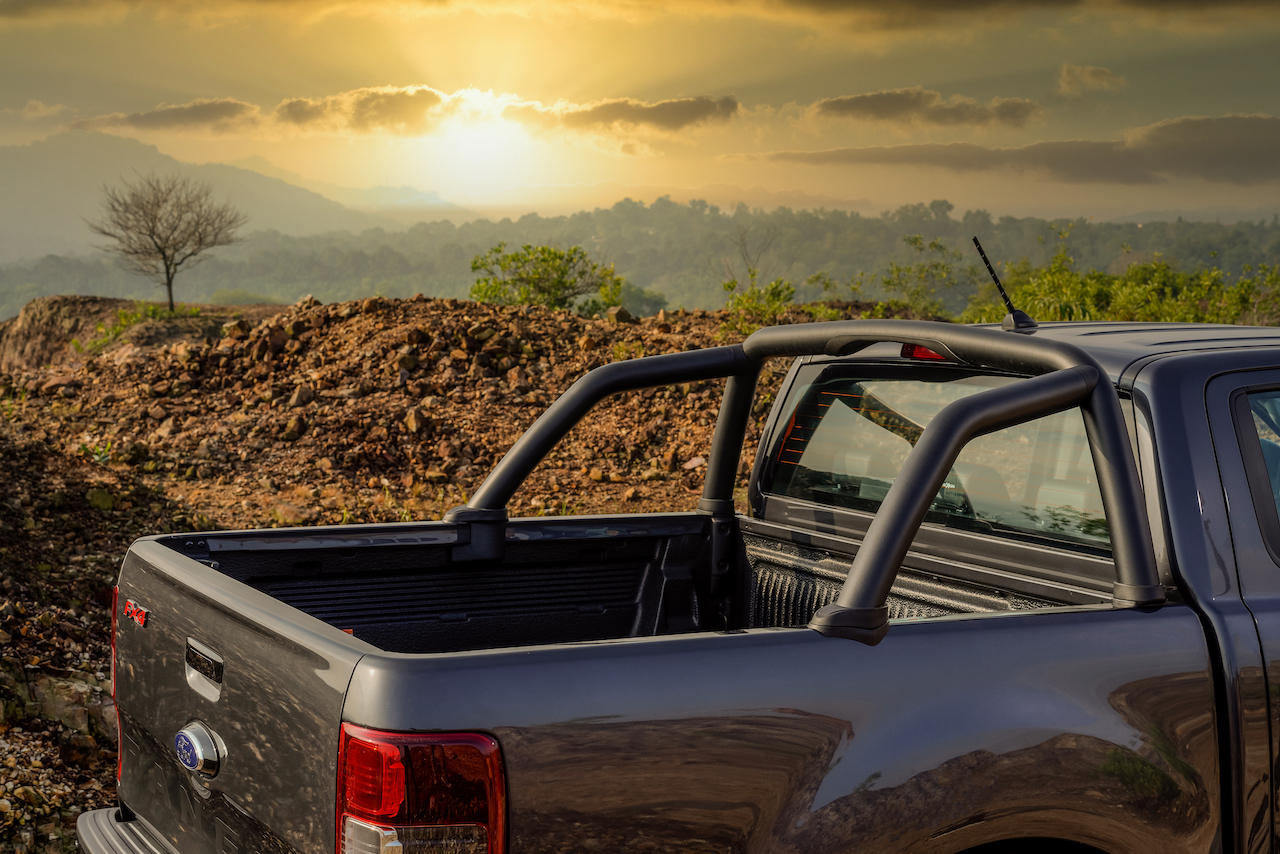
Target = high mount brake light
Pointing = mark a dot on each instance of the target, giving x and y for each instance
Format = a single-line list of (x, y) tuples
[(915, 351), (407, 793)]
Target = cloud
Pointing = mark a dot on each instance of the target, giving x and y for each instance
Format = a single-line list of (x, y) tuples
[(866, 17), (215, 115), (402, 110), (669, 116), (608, 124), (1076, 80), (924, 106), (37, 110), (1239, 150)]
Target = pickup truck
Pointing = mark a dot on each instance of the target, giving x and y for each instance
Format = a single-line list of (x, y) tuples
[(997, 590)]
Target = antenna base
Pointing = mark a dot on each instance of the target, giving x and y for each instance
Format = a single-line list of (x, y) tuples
[(1018, 321)]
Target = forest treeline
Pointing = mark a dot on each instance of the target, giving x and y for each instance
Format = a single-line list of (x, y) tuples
[(684, 252)]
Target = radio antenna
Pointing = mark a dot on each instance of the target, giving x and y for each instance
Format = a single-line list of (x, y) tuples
[(1014, 321)]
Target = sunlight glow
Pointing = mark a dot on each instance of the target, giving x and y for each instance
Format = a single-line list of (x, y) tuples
[(473, 155)]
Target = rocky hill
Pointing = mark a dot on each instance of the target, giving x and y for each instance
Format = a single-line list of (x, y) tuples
[(381, 410)]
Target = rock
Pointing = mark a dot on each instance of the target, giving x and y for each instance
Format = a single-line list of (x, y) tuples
[(414, 421), (518, 380), (74, 704), (614, 477), (670, 462), (460, 355), (57, 384), (100, 499), (296, 426), (291, 514), (79, 750), (302, 395), (325, 464), (406, 361), (157, 413), (5, 637), (662, 316), (597, 475), (664, 328), (586, 342), (416, 336), (631, 494), (650, 474), (694, 463), (28, 794), (236, 329), (435, 476), (618, 314)]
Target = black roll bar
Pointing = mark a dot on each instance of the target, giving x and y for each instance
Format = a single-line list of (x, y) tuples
[(1062, 374)]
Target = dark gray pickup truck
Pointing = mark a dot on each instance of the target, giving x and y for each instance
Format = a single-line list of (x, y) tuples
[(998, 590)]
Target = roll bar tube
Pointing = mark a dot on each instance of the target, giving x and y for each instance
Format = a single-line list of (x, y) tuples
[(490, 500), (859, 613), (1060, 372)]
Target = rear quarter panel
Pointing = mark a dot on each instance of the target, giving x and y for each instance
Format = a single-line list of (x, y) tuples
[(1096, 726)]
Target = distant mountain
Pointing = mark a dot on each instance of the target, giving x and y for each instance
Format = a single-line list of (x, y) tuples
[(407, 205), (49, 188)]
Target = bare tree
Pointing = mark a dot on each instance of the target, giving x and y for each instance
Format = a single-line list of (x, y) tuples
[(751, 251), (162, 224)]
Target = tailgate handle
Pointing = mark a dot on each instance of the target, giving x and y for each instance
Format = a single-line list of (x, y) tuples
[(204, 661)]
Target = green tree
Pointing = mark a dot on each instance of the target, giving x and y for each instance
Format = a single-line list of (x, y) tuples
[(919, 284), (542, 275), (756, 305)]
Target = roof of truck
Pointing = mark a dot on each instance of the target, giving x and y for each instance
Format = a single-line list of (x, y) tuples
[(1118, 345)]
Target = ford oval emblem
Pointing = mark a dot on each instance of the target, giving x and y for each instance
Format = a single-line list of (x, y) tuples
[(197, 749)]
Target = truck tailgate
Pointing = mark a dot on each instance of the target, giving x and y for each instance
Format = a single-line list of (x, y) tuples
[(266, 680)]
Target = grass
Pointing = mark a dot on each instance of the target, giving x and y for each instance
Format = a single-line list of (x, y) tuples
[(126, 318)]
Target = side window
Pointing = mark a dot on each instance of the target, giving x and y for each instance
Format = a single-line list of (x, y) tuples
[(1264, 413), (847, 438)]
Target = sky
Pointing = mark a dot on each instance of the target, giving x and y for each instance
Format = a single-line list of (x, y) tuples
[(1023, 107)]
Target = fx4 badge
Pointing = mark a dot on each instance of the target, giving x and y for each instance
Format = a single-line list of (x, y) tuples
[(135, 612)]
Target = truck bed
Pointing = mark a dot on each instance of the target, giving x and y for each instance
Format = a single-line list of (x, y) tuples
[(567, 580)]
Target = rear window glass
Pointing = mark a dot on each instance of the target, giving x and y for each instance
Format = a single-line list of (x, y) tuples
[(847, 437)]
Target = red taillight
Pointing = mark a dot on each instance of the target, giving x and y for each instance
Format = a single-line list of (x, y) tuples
[(915, 351), (411, 793)]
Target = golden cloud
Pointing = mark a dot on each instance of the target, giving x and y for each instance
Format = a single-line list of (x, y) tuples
[(1074, 81), (917, 105), (864, 15), (627, 113), (1237, 149)]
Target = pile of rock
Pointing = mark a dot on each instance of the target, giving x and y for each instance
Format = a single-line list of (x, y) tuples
[(385, 409)]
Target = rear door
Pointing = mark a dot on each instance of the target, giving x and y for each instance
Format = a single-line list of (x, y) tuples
[(1244, 411), (267, 681)]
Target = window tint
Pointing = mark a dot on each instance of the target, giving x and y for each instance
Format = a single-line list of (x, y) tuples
[(847, 438), (1265, 408)]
